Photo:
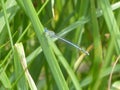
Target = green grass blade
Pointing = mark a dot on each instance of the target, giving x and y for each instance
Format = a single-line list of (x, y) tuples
[(65, 65), (11, 8), (4, 79), (111, 21), (89, 24), (46, 49), (97, 48), (7, 23)]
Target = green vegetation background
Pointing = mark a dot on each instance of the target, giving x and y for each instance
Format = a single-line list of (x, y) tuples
[(30, 59)]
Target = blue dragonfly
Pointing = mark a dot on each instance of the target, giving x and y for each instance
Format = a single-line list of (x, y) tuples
[(53, 35)]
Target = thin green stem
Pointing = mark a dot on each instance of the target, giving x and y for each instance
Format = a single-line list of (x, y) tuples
[(7, 23)]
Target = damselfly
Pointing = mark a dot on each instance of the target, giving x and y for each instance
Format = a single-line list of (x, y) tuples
[(52, 34)]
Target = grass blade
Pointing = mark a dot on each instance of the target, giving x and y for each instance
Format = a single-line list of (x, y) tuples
[(20, 52), (45, 46)]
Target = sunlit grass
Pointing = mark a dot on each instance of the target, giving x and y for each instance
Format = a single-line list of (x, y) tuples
[(30, 59)]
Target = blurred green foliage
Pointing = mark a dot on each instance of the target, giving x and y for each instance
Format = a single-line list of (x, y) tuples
[(90, 24)]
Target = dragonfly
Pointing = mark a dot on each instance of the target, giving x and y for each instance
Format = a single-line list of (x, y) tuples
[(53, 35)]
